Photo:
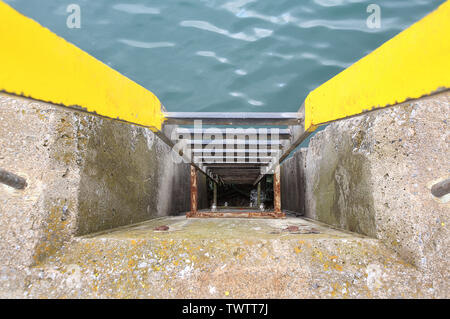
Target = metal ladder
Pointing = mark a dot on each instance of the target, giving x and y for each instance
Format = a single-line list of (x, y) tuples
[(227, 154)]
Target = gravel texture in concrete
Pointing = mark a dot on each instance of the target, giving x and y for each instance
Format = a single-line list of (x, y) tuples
[(224, 258)]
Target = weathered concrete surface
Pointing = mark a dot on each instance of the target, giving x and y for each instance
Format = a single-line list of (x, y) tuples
[(224, 258), (202, 189), (390, 157), (372, 174), (84, 174), (127, 176), (293, 183)]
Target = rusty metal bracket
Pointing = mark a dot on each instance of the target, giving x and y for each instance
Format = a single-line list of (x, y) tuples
[(194, 190), (236, 214)]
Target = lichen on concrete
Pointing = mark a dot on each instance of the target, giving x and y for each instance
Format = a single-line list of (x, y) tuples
[(226, 258), (84, 174), (372, 174), (369, 175)]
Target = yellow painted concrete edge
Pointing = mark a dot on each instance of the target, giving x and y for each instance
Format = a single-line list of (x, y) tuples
[(413, 64), (36, 63)]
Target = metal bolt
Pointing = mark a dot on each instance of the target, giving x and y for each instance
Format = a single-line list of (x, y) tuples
[(12, 180), (442, 188)]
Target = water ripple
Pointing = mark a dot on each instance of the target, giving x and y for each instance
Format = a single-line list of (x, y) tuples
[(146, 45), (244, 96), (240, 72), (231, 55), (281, 56), (344, 24), (136, 8), (212, 55), (334, 3), (236, 7), (324, 61), (203, 25)]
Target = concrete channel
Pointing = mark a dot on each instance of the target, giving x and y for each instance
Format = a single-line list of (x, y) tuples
[(103, 193), (87, 224)]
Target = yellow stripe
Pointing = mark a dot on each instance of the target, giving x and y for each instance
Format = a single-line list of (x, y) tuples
[(36, 63), (413, 64)]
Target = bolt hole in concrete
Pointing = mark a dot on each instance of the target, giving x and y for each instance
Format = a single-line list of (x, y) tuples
[(301, 229), (161, 228)]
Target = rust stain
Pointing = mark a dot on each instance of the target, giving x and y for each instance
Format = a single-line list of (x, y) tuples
[(277, 190), (194, 191), (161, 228), (292, 228), (238, 214)]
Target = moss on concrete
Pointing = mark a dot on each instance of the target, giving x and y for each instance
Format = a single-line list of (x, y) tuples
[(341, 190), (372, 174), (84, 174), (119, 178)]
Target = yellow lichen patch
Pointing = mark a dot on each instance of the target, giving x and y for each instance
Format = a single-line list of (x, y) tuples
[(131, 263), (297, 250), (55, 232), (336, 289), (338, 267), (317, 254)]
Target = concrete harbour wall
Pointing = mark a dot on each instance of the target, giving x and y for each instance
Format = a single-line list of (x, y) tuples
[(85, 174), (372, 175), (293, 183)]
